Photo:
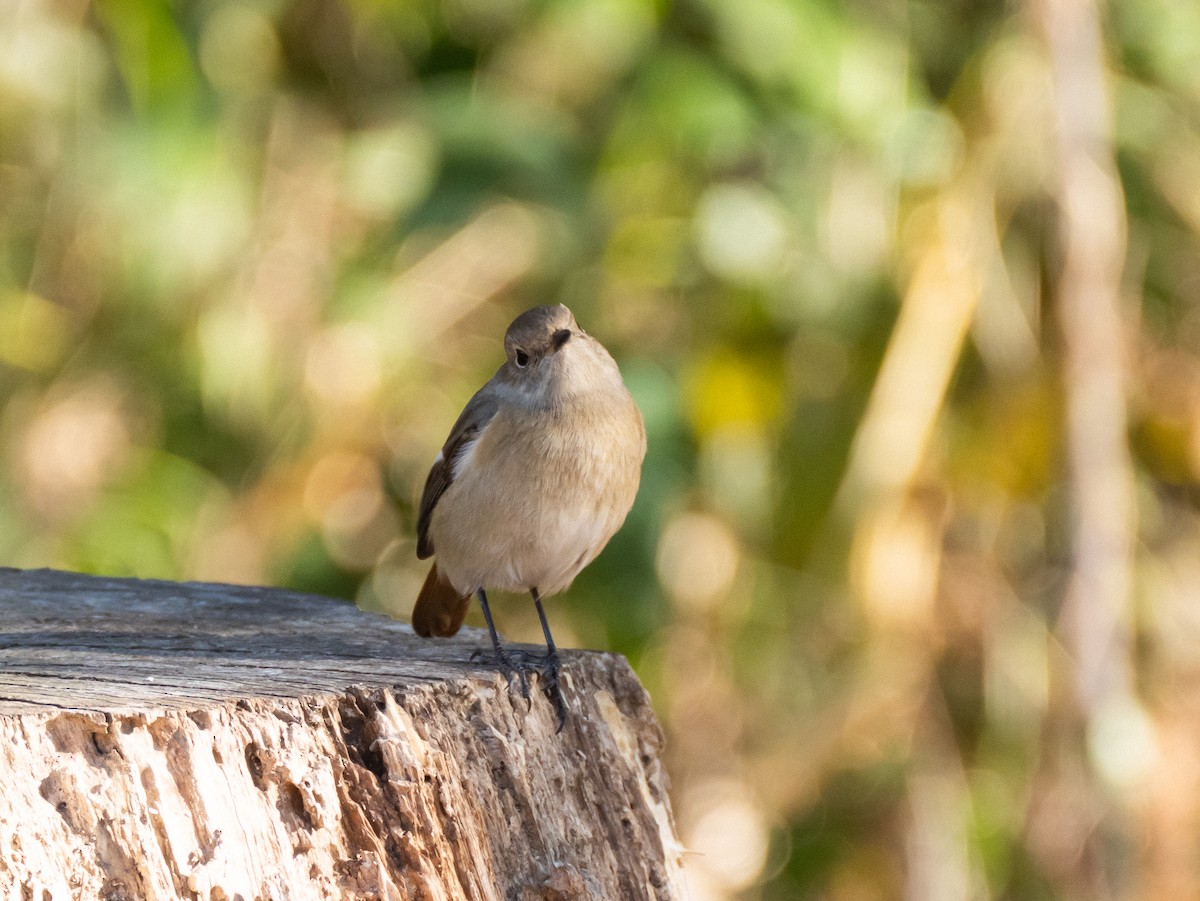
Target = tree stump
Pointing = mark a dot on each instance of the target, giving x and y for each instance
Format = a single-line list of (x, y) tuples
[(215, 742)]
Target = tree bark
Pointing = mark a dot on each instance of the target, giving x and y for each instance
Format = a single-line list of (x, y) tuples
[(164, 740)]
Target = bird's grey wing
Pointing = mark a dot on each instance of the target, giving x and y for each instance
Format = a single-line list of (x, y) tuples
[(477, 413)]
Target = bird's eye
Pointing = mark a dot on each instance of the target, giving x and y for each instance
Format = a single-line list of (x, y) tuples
[(522, 359)]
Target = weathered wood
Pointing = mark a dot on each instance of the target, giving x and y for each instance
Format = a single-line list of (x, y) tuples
[(164, 740)]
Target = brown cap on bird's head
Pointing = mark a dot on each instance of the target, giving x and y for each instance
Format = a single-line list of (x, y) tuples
[(539, 331)]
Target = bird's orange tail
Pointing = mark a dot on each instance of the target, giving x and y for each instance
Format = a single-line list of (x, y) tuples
[(440, 609)]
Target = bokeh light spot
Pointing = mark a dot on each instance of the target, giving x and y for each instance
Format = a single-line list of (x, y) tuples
[(697, 560)]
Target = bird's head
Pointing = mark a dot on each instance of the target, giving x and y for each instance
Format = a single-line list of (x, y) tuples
[(550, 358)]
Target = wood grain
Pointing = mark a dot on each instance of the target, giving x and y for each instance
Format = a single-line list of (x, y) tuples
[(166, 740)]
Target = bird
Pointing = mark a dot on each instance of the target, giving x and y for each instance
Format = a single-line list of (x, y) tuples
[(538, 473)]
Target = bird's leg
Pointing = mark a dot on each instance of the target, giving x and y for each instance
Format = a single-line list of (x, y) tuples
[(550, 669), (503, 660)]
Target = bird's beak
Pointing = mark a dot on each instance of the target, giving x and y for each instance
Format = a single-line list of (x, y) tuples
[(559, 338)]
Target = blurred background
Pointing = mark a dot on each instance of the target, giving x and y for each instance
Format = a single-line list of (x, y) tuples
[(908, 292)]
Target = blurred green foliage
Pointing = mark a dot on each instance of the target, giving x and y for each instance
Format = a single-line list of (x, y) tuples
[(254, 257)]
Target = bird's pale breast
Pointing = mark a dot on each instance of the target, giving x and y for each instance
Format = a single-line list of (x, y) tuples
[(534, 500)]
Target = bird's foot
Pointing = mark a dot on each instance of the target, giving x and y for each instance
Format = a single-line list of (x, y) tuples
[(511, 667), (552, 689), (519, 663)]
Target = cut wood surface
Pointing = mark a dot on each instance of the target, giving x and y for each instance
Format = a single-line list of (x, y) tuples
[(216, 742)]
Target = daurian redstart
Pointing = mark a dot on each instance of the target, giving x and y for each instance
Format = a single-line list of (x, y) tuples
[(538, 473)]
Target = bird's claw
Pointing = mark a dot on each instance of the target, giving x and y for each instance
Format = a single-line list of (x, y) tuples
[(553, 690), (509, 668), (518, 664)]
